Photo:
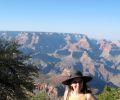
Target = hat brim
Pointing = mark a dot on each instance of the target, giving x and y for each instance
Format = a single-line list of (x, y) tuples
[(69, 80)]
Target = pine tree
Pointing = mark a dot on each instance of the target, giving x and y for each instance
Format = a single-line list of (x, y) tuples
[(16, 73)]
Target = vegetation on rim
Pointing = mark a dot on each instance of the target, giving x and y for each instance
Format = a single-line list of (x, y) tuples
[(16, 73)]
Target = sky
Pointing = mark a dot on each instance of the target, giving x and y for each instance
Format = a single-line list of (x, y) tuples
[(98, 19)]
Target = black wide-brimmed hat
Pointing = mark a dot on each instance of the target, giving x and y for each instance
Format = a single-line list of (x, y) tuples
[(76, 74)]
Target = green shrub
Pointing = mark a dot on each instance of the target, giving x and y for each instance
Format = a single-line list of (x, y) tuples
[(109, 94), (41, 96)]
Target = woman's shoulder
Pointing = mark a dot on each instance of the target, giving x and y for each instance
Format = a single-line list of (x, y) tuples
[(90, 96), (66, 94)]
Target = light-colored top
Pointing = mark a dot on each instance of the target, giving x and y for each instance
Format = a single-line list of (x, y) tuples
[(77, 98), (70, 96)]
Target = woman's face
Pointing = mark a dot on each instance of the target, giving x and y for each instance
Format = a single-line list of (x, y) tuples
[(77, 84)]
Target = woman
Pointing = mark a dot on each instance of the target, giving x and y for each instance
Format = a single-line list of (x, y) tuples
[(77, 88)]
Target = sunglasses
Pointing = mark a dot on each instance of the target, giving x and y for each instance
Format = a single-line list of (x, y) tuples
[(77, 81)]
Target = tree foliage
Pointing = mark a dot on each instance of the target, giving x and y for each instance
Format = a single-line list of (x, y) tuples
[(16, 73), (41, 96), (109, 94)]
